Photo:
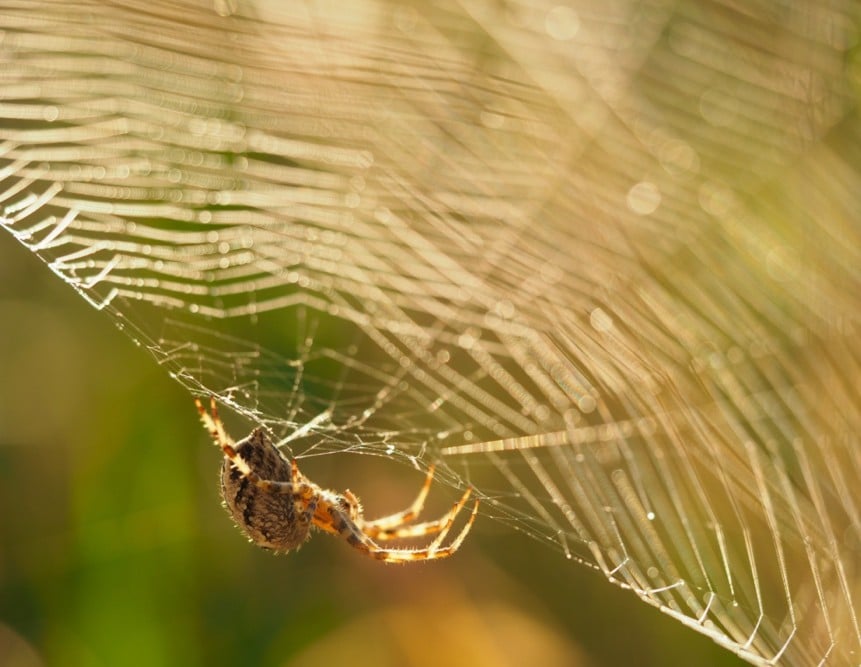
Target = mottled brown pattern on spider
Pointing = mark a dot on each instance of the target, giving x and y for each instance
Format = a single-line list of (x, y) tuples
[(276, 506), (270, 520)]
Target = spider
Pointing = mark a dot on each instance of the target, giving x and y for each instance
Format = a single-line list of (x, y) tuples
[(275, 505)]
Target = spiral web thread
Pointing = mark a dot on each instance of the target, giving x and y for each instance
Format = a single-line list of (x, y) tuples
[(600, 260)]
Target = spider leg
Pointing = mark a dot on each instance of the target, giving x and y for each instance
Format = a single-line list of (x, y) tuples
[(449, 519), (213, 423), (338, 522), (434, 551), (354, 505), (385, 524), (441, 526), (303, 491), (454, 545)]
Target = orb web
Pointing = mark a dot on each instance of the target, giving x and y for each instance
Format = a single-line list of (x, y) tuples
[(597, 260)]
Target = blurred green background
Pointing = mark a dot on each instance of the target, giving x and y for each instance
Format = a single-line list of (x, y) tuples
[(115, 549)]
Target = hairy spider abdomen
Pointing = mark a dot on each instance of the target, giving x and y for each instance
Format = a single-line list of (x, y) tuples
[(271, 520)]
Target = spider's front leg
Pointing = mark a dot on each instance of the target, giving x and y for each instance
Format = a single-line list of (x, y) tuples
[(385, 527), (337, 522)]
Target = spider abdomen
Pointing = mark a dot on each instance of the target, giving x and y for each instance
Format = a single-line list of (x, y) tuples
[(270, 520)]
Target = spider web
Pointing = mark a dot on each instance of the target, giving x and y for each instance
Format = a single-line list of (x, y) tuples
[(599, 260)]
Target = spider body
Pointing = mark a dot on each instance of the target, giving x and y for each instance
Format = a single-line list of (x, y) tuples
[(270, 520), (276, 506)]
